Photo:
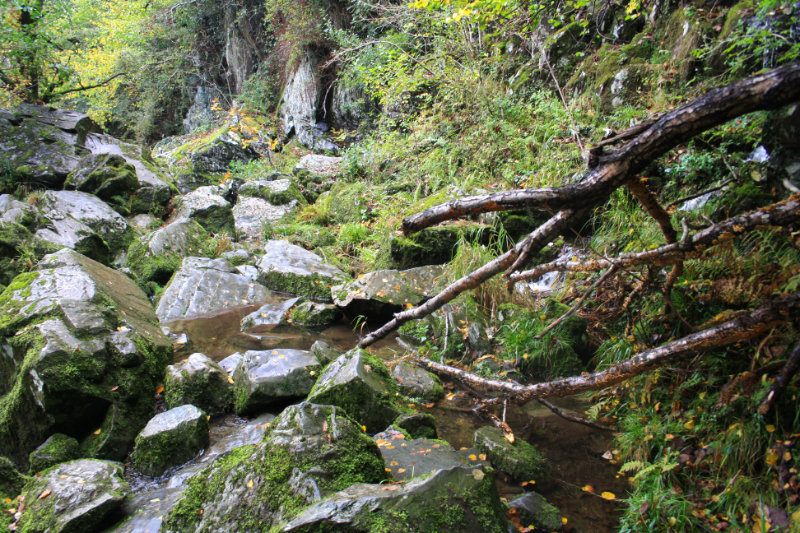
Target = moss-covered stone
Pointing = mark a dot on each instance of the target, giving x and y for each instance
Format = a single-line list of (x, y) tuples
[(534, 510), (361, 384), (520, 459), (437, 245), (198, 381), (254, 488), (58, 448), (170, 439), (314, 314), (417, 425)]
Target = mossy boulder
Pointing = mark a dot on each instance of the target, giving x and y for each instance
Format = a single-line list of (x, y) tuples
[(58, 448), (417, 425), (382, 293), (294, 270), (282, 191), (251, 215), (520, 459), (535, 511), (154, 257), (450, 500), (309, 451), (73, 497), (360, 384), (198, 381), (11, 483), (19, 250), (219, 152), (417, 382), (264, 378), (324, 352), (206, 207), (437, 245), (268, 315), (107, 176), (84, 223), (170, 439), (84, 354), (314, 314)]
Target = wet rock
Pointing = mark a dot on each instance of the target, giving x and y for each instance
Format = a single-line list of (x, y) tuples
[(84, 223), (202, 286), (198, 381), (106, 176), (309, 451), (292, 269), (86, 352), (406, 459), (520, 459), (41, 144), (472, 505), (157, 255), (58, 448), (73, 497), (417, 425), (314, 314), (264, 378), (417, 382), (169, 439), (270, 314), (219, 153), (207, 208), (534, 510), (384, 292), (230, 363), (251, 214), (360, 384), (324, 352)]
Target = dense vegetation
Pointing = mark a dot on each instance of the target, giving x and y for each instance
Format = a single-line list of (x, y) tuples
[(466, 97)]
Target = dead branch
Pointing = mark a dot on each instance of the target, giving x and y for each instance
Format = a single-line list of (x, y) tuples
[(744, 327), (698, 194), (770, 90), (789, 370), (572, 417), (777, 214)]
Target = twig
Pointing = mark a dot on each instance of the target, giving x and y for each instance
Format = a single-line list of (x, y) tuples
[(563, 101), (698, 194), (572, 417)]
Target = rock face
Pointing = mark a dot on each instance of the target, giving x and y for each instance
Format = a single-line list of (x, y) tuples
[(83, 351), (319, 165), (12, 210), (300, 97), (198, 381), (267, 315), (455, 499), (314, 314), (250, 214), (415, 381), (203, 286), (207, 208), (78, 495), (157, 255), (269, 377), (105, 176), (84, 223), (359, 383), (521, 460), (534, 510), (310, 451), (169, 439), (289, 268), (217, 155), (58, 448), (43, 145), (384, 292)]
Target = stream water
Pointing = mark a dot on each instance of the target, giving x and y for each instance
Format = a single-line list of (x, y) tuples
[(575, 451)]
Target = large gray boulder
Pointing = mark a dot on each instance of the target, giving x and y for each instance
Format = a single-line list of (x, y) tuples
[(407, 459), (169, 439), (384, 292), (314, 314), (519, 459), (251, 214), (289, 268), (158, 254), (319, 165), (206, 207), (265, 378), (310, 451), (73, 497), (415, 381), (219, 153), (83, 222), (199, 381), (451, 500), (43, 145), (300, 98), (203, 286), (281, 191), (107, 176), (12, 210), (83, 355), (359, 383), (271, 314)]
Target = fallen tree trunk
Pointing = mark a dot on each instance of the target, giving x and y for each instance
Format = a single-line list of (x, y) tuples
[(744, 327)]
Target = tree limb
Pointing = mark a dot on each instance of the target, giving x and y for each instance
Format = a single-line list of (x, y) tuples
[(742, 328), (789, 369)]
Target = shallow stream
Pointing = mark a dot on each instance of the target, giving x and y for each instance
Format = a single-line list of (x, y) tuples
[(575, 451)]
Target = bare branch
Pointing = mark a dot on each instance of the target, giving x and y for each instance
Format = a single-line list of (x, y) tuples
[(789, 369)]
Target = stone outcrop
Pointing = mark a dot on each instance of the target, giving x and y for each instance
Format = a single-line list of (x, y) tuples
[(289, 268), (265, 378), (170, 439), (198, 381)]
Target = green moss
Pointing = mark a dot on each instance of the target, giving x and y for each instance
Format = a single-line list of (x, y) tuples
[(521, 460), (58, 448), (314, 286), (154, 454)]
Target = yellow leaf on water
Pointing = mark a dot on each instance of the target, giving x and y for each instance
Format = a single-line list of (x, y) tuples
[(608, 495), (401, 470), (482, 457)]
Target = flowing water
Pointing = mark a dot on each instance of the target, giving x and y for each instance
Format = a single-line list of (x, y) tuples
[(575, 451)]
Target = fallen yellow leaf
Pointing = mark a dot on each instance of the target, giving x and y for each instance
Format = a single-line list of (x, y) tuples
[(608, 495), (250, 484), (159, 389), (587, 488)]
